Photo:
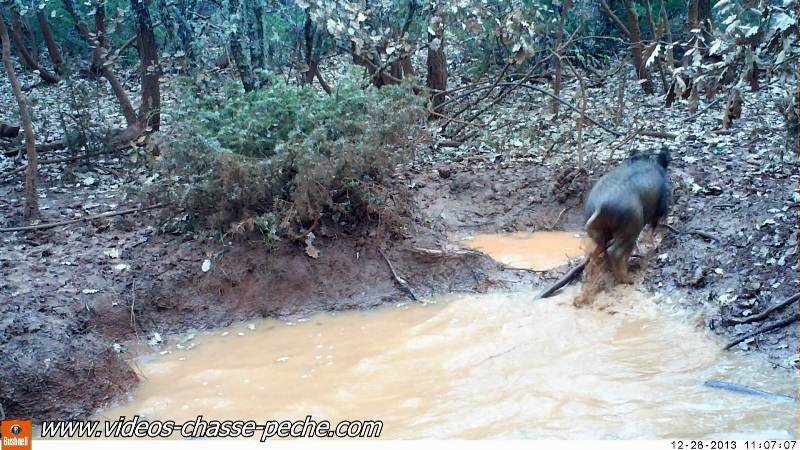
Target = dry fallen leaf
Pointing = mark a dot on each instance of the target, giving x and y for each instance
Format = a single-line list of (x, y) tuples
[(312, 251)]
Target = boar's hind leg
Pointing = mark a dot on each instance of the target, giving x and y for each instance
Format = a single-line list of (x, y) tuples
[(619, 253)]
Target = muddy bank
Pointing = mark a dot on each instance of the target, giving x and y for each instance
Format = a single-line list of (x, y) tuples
[(736, 210), (75, 291), (77, 294)]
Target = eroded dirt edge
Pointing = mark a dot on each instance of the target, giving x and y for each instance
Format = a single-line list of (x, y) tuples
[(77, 295)]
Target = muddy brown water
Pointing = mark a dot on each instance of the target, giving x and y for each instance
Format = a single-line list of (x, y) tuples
[(475, 366), (538, 251)]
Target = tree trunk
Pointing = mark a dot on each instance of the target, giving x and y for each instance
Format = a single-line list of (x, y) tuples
[(557, 56), (186, 30), (26, 59), (656, 38), (241, 62), (312, 62), (691, 14), (98, 53), (437, 63), (669, 54), (704, 11), (324, 84), (407, 69), (698, 16), (100, 36), (699, 11), (31, 209), (637, 48), (308, 50), (52, 48), (31, 38), (256, 27), (150, 111)]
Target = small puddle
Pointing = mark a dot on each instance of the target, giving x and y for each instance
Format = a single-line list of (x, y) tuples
[(475, 366), (537, 251)]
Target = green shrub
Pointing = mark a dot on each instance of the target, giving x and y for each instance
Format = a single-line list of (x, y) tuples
[(279, 158)]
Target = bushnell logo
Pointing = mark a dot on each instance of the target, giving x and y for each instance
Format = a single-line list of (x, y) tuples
[(16, 435)]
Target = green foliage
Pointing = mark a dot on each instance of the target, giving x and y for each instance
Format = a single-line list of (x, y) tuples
[(62, 26), (275, 159), (253, 123)]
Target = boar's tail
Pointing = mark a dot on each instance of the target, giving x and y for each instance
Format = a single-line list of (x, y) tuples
[(663, 157), (591, 219)]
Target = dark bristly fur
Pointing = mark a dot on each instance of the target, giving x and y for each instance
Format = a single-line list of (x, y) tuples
[(623, 201)]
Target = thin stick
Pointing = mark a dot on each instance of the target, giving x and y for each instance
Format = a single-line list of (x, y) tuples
[(313, 227), (703, 234), (550, 228), (403, 283), (549, 94), (41, 148), (706, 235), (659, 134), (133, 313), (53, 161), (763, 315), (690, 118), (45, 226), (764, 329), (744, 389), (566, 279), (624, 141)]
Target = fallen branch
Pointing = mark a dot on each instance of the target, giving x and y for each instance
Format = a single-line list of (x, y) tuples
[(475, 225), (763, 314), (566, 279), (55, 161), (572, 274), (442, 253), (764, 329), (743, 389), (41, 148), (706, 108), (109, 171), (450, 143), (659, 134), (45, 226), (700, 233), (12, 172), (312, 228), (403, 283), (706, 235)]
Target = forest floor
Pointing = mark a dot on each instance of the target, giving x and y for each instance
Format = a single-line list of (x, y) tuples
[(76, 295)]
